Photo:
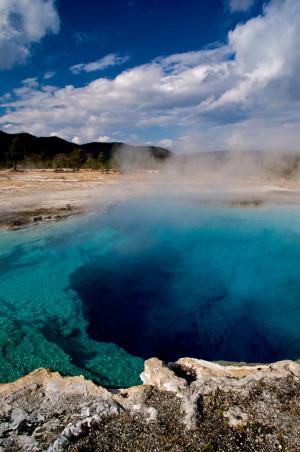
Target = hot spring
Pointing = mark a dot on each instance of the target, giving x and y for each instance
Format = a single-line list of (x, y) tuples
[(97, 295)]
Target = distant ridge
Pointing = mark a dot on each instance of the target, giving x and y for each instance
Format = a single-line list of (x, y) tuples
[(49, 147)]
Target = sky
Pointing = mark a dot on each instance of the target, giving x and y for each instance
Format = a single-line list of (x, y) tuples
[(191, 76)]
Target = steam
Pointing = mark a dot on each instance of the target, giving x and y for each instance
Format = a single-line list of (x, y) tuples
[(128, 158), (246, 179), (235, 165), (224, 166), (240, 178)]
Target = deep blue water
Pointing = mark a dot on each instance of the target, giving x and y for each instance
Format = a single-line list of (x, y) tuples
[(99, 294)]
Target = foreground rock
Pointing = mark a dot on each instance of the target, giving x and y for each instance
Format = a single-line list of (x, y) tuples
[(189, 405)]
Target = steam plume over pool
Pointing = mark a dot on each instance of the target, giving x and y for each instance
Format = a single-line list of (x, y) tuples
[(155, 277)]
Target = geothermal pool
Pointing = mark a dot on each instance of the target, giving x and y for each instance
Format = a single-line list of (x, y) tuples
[(97, 295)]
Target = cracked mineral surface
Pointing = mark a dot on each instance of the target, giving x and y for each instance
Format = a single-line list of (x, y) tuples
[(190, 405)]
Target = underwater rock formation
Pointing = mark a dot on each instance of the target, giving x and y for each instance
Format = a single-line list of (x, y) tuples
[(189, 405)]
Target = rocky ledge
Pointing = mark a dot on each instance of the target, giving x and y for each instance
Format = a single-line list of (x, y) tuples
[(190, 405), (20, 219)]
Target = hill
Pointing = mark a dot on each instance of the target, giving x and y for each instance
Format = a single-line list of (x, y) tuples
[(35, 149)]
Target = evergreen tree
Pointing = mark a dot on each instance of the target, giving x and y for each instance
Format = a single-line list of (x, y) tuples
[(16, 152), (101, 161), (77, 159)]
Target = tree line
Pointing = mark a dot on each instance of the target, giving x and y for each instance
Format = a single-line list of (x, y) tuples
[(74, 160)]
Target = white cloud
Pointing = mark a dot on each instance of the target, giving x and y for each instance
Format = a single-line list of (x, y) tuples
[(76, 140), (243, 94), (30, 82), (240, 5), (103, 139), (7, 126), (179, 61), (165, 143), (23, 23), (48, 75), (99, 65)]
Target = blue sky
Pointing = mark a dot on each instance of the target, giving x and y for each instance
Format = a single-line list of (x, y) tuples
[(141, 30), (191, 76)]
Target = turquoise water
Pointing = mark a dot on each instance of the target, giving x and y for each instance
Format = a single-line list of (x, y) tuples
[(99, 294)]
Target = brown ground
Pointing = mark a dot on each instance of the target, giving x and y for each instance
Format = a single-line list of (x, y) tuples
[(34, 195)]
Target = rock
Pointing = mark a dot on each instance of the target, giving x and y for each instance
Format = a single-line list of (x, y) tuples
[(157, 374), (192, 410), (236, 418), (46, 408), (15, 220), (17, 223), (210, 377), (188, 405), (37, 219)]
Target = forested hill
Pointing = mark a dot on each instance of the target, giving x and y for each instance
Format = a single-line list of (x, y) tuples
[(31, 148)]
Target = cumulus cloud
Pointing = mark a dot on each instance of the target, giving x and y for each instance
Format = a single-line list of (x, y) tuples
[(244, 94), (99, 65), (165, 143), (240, 5), (23, 23), (76, 140), (103, 139)]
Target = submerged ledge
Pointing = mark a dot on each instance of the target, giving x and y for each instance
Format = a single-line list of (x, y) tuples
[(187, 405)]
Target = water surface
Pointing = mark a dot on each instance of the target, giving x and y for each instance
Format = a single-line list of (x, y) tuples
[(99, 294)]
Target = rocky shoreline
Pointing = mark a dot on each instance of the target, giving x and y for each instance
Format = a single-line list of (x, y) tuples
[(21, 219), (190, 405)]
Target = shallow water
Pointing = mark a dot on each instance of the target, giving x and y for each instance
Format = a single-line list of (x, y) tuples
[(97, 295)]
